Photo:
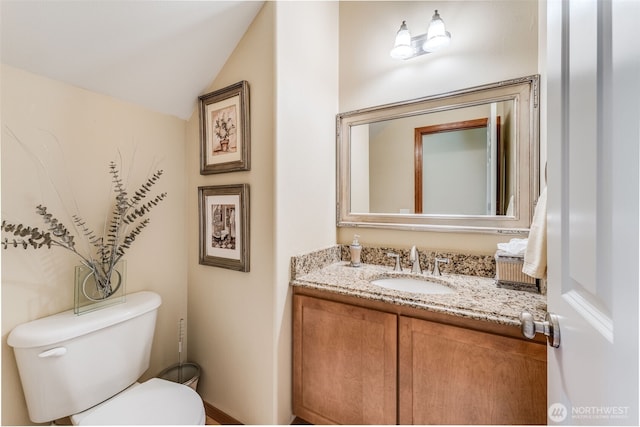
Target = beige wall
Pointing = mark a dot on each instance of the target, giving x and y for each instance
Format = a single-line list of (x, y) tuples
[(75, 133), (307, 101), (240, 323), (491, 41), (230, 312)]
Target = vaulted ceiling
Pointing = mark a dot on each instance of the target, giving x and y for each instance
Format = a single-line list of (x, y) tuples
[(157, 54)]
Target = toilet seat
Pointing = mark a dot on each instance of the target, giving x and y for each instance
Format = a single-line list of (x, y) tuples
[(154, 402)]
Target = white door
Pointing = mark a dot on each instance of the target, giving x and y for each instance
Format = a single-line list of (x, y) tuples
[(593, 135)]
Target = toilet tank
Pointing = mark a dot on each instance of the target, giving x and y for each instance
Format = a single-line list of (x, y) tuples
[(69, 363)]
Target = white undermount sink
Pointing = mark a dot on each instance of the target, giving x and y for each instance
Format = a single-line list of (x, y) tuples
[(410, 284)]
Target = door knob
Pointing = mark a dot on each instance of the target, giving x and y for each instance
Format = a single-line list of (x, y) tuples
[(550, 327)]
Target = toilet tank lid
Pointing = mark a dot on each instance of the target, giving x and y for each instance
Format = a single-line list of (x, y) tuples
[(67, 325)]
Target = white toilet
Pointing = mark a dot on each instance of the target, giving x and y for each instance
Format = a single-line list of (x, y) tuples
[(86, 367)]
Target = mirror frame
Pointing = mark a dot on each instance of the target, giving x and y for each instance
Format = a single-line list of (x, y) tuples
[(526, 94)]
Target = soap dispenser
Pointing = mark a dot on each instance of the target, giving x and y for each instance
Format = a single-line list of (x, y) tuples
[(355, 249)]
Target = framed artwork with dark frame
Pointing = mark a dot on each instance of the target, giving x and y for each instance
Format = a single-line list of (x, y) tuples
[(225, 140), (224, 226)]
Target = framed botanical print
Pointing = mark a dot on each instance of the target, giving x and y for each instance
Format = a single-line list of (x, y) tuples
[(224, 226), (225, 140)]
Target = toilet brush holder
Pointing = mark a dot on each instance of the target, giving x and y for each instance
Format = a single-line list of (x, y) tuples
[(185, 373)]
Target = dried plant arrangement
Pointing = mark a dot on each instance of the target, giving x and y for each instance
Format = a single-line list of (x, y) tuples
[(127, 219)]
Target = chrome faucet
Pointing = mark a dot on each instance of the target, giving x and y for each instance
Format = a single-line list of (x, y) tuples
[(436, 265), (414, 257), (397, 267)]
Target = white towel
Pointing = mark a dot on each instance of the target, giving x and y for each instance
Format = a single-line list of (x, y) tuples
[(515, 247), (535, 256)]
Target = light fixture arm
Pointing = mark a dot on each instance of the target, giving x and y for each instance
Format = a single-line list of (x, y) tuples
[(416, 43)]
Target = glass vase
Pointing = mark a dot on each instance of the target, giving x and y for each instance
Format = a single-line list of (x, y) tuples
[(89, 296)]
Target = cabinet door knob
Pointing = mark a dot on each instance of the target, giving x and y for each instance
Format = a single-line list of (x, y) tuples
[(550, 328)]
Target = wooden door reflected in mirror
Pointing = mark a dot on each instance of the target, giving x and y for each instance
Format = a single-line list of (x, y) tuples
[(461, 168)]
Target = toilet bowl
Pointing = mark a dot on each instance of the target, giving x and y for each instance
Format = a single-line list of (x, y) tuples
[(87, 367), (154, 402)]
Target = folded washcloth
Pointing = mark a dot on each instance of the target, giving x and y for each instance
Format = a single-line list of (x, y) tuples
[(535, 256)]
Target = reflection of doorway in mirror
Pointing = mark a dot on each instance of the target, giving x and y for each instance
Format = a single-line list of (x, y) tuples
[(463, 192), (459, 168)]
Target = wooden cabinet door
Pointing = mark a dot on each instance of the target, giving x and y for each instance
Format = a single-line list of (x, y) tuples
[(452, 375), (344, 363)]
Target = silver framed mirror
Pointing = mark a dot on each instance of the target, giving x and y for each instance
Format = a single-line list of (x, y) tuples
[(465, 161)]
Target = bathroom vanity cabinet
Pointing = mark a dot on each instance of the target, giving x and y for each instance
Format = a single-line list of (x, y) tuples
[(358, 361)]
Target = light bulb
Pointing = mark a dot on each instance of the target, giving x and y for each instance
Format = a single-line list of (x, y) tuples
[(437, 36), (402, 48)]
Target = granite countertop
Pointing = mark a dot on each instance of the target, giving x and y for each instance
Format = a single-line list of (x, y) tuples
[(474, 297)]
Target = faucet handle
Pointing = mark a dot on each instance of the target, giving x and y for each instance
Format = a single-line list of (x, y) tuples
[(436, 265), (397, 267)]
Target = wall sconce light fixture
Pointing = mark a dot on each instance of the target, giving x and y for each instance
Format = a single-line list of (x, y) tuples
[(435, 38)]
